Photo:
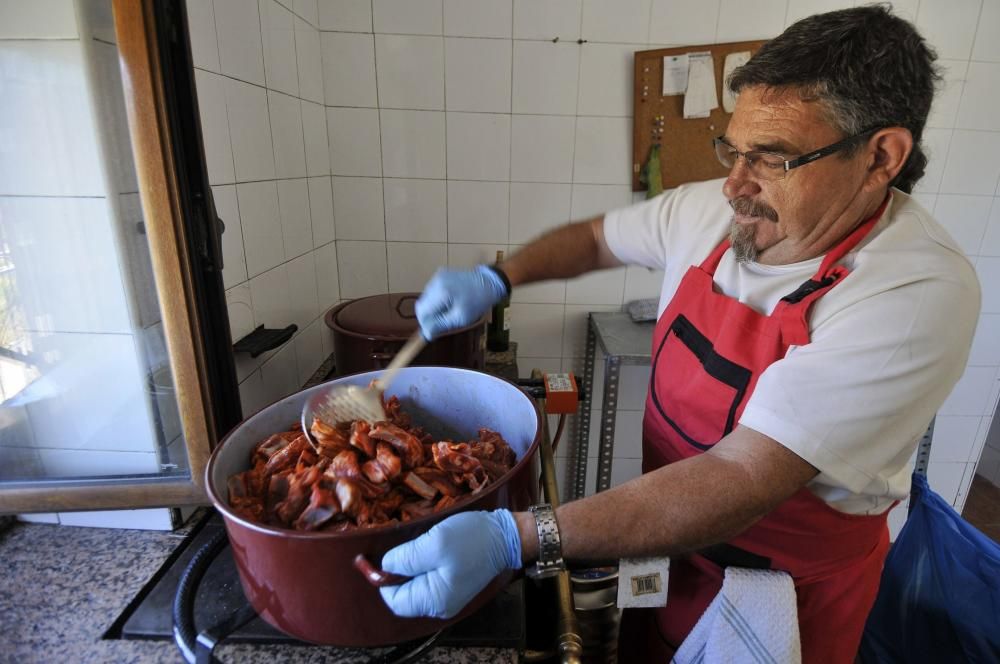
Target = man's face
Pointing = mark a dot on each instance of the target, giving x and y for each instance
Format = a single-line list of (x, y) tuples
[(802, 215)]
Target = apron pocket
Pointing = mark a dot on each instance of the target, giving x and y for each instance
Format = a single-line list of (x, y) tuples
[(696, 390)]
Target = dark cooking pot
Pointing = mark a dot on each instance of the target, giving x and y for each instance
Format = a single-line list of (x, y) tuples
[(369, 331), (304, 583)]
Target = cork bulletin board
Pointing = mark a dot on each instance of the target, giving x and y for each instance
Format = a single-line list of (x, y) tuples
[(685, 144)]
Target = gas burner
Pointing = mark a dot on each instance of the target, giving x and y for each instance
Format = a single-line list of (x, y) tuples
[(196, 599)]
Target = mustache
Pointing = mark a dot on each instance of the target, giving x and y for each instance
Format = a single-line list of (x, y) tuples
[(751, 208)]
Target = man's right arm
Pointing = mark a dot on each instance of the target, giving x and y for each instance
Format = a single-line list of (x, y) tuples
[(456, 298), (562, 253)]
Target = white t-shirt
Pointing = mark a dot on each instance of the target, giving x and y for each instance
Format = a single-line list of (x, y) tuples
[(888, 343)]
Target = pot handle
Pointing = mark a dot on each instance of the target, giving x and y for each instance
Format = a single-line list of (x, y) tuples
[(376, 576)]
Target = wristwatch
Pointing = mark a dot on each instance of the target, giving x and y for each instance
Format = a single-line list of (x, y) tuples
[(550, 560)]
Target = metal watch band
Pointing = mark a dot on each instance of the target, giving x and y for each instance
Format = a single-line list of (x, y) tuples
[(550, 560)]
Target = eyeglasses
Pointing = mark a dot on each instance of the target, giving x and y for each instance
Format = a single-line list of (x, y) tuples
[(773, 166)]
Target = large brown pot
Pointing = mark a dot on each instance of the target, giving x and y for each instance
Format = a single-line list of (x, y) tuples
[(303, 583), (369, 331)]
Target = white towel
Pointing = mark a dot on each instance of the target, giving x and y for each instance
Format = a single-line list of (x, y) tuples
[(753, 619)]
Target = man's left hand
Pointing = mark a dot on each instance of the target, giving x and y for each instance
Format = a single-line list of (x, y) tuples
[(451, 563)]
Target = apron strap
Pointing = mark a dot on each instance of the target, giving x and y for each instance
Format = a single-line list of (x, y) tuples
[(852, 240), (793, 309), (710, 264)]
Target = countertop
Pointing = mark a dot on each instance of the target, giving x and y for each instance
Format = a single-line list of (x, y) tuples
[(63, 586)]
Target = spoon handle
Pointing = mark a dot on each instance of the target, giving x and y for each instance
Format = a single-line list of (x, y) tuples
[(410, 350)]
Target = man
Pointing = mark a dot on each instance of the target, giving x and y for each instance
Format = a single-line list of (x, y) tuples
[(813, 319)]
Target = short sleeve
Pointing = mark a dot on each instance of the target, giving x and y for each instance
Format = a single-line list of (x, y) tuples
[(855, 399), (636, 235)]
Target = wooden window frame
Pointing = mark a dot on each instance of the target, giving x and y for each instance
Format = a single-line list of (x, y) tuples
[(160, 193)]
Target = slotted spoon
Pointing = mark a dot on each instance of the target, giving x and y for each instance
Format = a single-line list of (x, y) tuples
[(345, 403)]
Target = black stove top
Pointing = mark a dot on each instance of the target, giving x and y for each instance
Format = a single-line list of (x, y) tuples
[(499, 624)]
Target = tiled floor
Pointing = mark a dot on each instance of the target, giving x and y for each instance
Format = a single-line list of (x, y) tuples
[(982, 508)]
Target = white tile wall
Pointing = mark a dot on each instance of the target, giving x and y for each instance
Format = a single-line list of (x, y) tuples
[(250, 131), (479, 146), (542, 148), (547, 19), (478, 18), (309, 61), (241, 51), (616, 21), (354, 141), (317, 150), (457, 127), (945, 106), (296, 223), (413, 144), (478, 212), (949, 25), (987, 46), (411, 264), (348, 69), (345, 15), (536, 208), (980, 95), (546, 77), (299, 106), (321, 211), (278, 37), (740, 21), (262, 238), (606, 80), (286, 135), (302, 295), (363, 268), (415, 210), (410, 72), (972, 167), (603, 154), (234, 262), (683, 22), (215, 127), (204, 42), (358, 208), (413, 17), (965, 218), (327, 276), (477, 72)]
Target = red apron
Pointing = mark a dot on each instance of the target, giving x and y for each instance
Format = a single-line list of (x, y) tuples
[(708, 352)]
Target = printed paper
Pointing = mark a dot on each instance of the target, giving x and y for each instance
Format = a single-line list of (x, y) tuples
[(701, 97), (675, 74)]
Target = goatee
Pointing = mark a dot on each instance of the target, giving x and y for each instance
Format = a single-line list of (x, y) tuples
[(742, 236), (741, 239)]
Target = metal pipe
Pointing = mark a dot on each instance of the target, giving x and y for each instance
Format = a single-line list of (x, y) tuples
[(568, 641)]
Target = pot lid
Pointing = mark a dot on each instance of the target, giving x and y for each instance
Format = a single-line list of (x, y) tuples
[(389, 315)]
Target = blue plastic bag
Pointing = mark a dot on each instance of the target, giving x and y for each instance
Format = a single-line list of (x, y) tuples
[(939, 600)]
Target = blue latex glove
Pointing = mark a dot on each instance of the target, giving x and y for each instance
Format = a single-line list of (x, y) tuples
[(451, 563), (456, 298)]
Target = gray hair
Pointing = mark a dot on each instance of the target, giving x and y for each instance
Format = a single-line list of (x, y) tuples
[(866, 67)]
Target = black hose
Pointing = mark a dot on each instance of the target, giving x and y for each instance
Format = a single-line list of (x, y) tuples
[(185, 634)]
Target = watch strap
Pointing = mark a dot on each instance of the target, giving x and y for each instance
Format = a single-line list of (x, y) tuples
[(495, 269), (550, 561)]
